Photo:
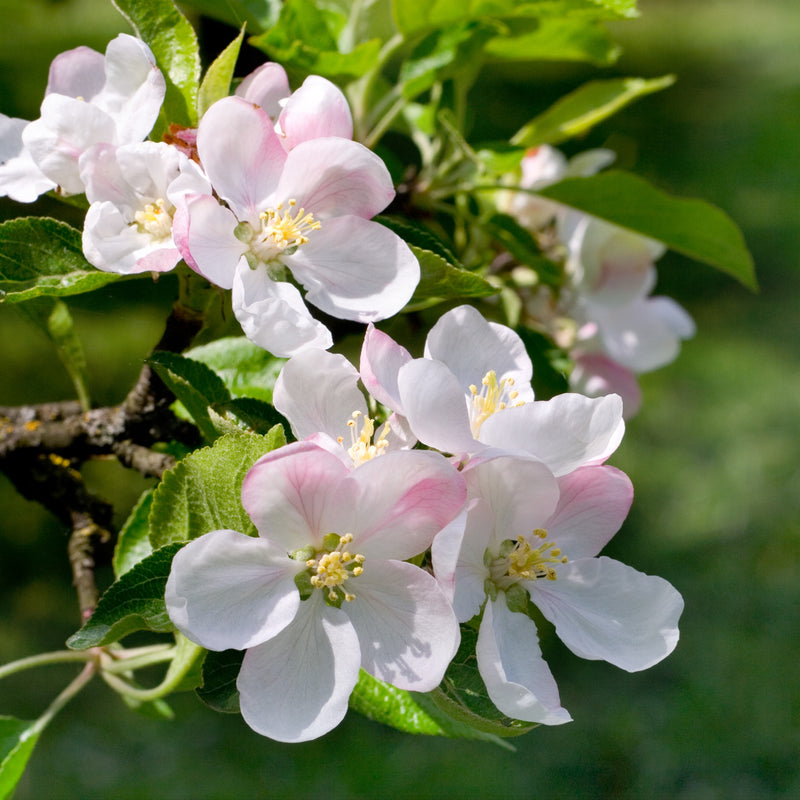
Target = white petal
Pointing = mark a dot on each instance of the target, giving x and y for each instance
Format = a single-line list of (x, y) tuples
[(565, 432), (596, 375), (381, 359), (77, 73), (406, 628), (266, 86), (318, 108), (510, 661), (227, 590), (273, 315), (296, 686), (318, 392), (356, 269), (20, 178), (603, 609), (471, 346)]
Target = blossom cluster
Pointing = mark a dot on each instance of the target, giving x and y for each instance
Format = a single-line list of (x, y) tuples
[(448, 495), (604, 316)]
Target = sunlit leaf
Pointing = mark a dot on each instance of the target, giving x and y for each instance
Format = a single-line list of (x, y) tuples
[(217, 80), (17, 740)]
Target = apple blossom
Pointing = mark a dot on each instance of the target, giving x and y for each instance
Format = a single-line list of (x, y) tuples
[(133, 191), (20, 178), (91, 99), (324, 589), (531, 537), (306, 212)]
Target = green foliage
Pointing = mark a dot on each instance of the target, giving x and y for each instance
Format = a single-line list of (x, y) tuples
[(17, 740), (202, 493), (134, 602), (133, 543), (576, 113), (216, 82), (692, 227), (220, 671), (174, 44), (42, 257)]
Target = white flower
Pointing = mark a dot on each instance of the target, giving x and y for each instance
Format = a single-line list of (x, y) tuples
[(324, 589)]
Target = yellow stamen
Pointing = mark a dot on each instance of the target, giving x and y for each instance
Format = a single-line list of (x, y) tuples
[(282, 229), (493, 396), (362, 447)]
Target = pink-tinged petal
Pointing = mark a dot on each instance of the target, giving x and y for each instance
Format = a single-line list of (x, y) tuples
[(565, 432), (20, 178), (296, 686), (593, 505), (241, 154), (103, 180), (471, 346), (289, 494), (317, 109), (77, 73), (67, 127), (406, 628), (332, 177), (356, 269), (134, 88), (510, 661), (160, 259), (433, 402), (457, 554), (381, 359), (203, 231), (273, 315), (227, 590), (603, 609), (400, 436), (404, 499), (673, 316), (318, 392), (596, 375), (266, 86), (521, 494)]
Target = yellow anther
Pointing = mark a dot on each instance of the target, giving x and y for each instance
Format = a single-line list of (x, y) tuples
[(362, 447), (282, 229), (494, 396)]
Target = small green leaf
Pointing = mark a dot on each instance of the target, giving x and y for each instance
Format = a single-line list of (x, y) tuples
[(202, 493), (172, 39), (440, 280), (258, 15), (419, 236), (217, 80), (577, 112), (258, 416), (133, 543), (220, 671), (694, 228), (17, 740), (134, 602), (245, 368), (521, 244), (197, 386), (42, 257)]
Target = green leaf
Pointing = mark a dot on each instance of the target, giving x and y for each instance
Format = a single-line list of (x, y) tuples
[(245, 368), (694, 228), (220, 671), (258, 416), (172, 39), (440, 280), (217, 80), (419, 236), (17, 740), (53, 317), (134, 602), (42, 257), (197, 386), (258, 15), (521, 244), (202, 493), (577, 112), (133, 542)]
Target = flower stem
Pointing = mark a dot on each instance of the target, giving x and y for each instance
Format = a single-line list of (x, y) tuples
[(56, 657)]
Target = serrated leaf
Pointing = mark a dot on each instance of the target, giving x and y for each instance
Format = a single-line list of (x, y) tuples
[(419, 236), (133, 543), (42, 257), (17, 740), (220, 671), (694, 228), (134, 602), (174, 44), (217, 80), (197, 386), (258, 416), (521, 244), (202, 493), (53, 317), (440, 280), (575, 113), (245, 368)]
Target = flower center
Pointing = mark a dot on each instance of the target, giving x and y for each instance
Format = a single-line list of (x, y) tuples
[(332, 567), (362, 448), (521, 560), (154, 220), (283, 230), (493, 396)]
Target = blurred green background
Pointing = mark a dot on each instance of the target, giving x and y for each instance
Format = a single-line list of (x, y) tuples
[(713, 457)]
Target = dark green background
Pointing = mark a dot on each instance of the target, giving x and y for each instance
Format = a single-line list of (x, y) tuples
[(713, 457)]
